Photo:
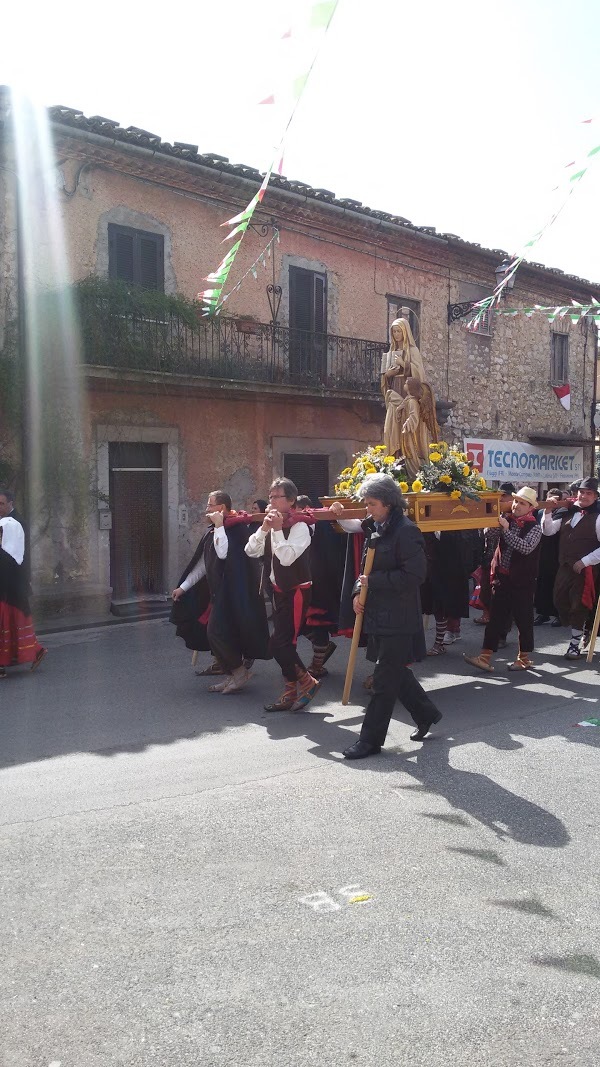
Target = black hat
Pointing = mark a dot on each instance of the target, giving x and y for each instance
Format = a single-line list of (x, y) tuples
[(507, 487), (589, 483)]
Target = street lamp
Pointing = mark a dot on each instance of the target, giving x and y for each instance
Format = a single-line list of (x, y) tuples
[(501, 273)]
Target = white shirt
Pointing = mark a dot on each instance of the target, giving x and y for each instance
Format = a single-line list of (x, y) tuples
[(221, 546), (13, 538), (350, 525), (287, 549), (551, 526)]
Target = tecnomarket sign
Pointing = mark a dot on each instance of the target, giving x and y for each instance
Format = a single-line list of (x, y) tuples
[(501, 461)]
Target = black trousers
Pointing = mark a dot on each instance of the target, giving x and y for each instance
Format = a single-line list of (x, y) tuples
[(392, 681), (221, 646), (509, 599), (289, 616)]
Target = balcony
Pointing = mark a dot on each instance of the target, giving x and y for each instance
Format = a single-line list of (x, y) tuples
[(119, 338)]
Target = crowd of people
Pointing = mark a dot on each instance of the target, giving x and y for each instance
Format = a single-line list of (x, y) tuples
[(539, 565), (538, 558)]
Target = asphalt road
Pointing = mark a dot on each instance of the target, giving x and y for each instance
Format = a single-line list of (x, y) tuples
[(187, 880)]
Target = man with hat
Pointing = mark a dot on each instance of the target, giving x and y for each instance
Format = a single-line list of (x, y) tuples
[(513, 577), (578, 559)]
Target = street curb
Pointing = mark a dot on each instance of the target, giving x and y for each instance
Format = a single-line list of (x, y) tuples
[(113, 620)]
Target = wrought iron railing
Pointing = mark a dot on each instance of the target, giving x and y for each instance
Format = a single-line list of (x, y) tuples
[(228, 348)]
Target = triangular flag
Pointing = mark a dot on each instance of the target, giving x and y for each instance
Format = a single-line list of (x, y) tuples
[(268, 100), (563, 393)]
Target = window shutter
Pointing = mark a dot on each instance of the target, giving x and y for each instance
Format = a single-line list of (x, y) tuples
[(151, 273), (123, 257), (320, 305), (136, 257), (301, 299), (310, 473)]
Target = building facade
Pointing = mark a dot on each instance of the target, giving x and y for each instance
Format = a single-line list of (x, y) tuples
[(286, 379)]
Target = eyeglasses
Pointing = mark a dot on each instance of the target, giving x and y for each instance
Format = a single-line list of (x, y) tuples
[(276, 496)]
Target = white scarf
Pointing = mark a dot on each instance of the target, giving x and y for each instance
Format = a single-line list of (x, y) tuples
[(13, 538)]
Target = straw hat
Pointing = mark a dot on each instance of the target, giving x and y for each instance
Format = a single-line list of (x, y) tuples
[(528, 495)]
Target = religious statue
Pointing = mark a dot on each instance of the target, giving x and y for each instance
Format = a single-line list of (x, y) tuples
[(403, 360), (417, 424)]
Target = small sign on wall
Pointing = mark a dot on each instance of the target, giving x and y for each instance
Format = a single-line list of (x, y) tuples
[(105, 520)]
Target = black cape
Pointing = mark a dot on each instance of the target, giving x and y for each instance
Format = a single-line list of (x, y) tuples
[(230, 590)]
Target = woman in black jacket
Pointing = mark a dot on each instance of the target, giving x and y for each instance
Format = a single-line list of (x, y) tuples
[(392, 614)]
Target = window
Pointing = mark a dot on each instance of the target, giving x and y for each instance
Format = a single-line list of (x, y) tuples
[(308, 300), (136, 257), (310, 474), (308, 325), (560, 358), (482, 326), (395, 303)]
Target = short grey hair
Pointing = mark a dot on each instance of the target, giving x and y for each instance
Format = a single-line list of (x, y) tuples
[(384, 488)]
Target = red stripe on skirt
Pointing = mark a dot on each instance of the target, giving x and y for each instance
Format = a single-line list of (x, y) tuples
[(18, 643)]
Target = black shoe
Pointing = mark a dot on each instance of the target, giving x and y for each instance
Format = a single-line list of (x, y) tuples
[(540, 620), (424, 730), (360, 749), (556, 622)]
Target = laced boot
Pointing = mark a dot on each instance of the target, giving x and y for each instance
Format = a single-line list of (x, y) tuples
[(482, 660), (307, 688), (523, 662), (286, 700), (320, 656)]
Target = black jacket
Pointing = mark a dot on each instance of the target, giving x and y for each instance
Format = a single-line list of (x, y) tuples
[(393, 601)]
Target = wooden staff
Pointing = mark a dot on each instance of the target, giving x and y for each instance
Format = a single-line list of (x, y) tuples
[(194, 657), (594, 634), (362, 596)]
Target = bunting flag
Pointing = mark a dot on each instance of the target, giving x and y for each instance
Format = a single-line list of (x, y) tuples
[(576, 171), (253, 268), (317, 20), (573, 311)]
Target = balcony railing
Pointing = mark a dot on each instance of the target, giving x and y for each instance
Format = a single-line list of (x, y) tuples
[(229, 348)]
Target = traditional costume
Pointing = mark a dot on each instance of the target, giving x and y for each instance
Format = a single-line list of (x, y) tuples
[(513, 577), (18, 643), (286, 555), (327, 555), (579, 541), (222, 608)]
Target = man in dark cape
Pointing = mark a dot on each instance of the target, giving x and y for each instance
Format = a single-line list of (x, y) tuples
[(218, 605), (327, 556)]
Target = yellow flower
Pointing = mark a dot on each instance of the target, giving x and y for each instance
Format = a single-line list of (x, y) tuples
[(482, 483), (466, 470), (346, 470), (455, 494), (389, 459), (445, 478), (416, 486), (380, 448), (435, 457), (370, 469), (404, 487), (433, 444), (474, 470)]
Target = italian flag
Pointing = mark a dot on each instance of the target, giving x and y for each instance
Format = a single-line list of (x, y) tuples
[(563, 393)]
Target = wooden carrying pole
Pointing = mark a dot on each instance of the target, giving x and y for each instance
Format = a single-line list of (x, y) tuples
[(594, 633), (362, 596)]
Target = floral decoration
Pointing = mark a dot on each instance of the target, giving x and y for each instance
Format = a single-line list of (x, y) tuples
[(374, 460), (448, 471)]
